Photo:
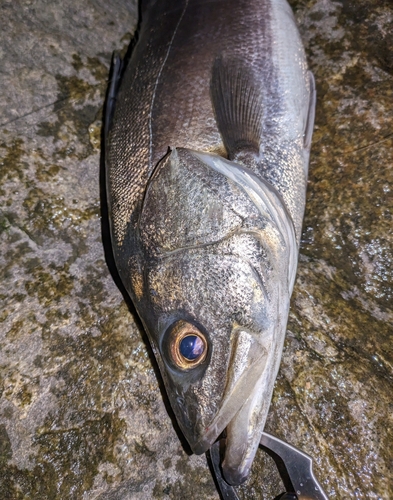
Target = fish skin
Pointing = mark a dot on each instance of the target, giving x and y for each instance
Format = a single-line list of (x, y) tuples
[(208, 233)]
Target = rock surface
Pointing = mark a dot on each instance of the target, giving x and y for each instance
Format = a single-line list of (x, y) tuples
[(82, 411)]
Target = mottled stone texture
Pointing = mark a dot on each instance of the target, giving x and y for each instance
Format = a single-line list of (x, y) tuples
[(82, 415)]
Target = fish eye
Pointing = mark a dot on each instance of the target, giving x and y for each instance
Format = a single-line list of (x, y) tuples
[(188, 345)]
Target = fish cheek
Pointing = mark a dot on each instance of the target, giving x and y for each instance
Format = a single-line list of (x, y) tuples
[(186, 301)]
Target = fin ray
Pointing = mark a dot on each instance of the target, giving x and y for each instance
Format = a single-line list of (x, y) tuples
[(237, 105)]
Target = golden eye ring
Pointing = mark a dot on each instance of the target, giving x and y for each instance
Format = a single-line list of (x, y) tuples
[(188, 346)]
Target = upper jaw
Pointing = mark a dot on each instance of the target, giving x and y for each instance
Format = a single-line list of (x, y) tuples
[(244, 431), (248, 357), (244, 407)]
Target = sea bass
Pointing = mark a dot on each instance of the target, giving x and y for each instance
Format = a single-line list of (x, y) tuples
[(207, 154)]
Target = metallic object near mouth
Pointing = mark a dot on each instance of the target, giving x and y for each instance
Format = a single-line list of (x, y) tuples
[(303, 483)]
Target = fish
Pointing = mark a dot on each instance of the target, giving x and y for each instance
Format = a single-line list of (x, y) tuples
[(208, 137)]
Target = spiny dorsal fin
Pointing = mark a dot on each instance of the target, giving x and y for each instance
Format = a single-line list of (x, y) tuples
[(237, 105)]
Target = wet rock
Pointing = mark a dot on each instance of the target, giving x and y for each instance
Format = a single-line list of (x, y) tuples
[(82, 412)]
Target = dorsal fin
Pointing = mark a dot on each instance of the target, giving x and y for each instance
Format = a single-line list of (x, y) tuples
[(237, 105)]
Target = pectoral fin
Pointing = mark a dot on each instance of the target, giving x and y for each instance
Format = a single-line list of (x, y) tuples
[(237, 104)]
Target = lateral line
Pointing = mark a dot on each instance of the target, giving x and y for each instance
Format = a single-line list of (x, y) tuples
[(157, 80)]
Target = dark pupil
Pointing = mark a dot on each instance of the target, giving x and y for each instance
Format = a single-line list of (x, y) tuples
[(191, 347)]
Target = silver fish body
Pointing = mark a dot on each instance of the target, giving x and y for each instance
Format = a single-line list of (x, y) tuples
[(207, 159)]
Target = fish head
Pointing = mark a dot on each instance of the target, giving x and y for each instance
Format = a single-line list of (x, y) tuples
[(210, 279)]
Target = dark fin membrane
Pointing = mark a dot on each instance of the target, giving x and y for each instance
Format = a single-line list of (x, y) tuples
[(238, 107), (113, 88), (308, 130)]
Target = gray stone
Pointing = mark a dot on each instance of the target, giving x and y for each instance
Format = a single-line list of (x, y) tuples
[(83, 414)]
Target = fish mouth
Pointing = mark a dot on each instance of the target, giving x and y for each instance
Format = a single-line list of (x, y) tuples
[(245, 404)]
